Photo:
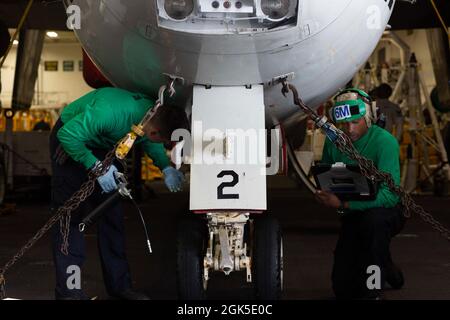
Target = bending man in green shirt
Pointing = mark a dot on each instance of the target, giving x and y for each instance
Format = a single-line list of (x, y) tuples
[(87, 130), (367, 226)]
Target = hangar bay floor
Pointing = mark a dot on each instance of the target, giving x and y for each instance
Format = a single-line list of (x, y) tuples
[(310, 233)]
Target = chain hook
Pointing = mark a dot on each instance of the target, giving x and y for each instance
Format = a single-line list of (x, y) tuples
[(171, 87), (285, 89), (161, 92)]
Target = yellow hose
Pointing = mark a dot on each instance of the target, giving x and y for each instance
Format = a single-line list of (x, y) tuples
[(22, 21)]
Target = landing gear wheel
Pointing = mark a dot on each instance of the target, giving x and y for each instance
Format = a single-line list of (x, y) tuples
[(191, 248), (305, 177), (267, 261)]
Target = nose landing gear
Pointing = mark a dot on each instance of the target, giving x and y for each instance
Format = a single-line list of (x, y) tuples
[(228, 242)]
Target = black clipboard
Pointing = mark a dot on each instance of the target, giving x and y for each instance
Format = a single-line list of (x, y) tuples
[(345, 181)]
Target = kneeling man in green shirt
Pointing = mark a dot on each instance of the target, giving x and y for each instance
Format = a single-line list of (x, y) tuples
[(367, 226)]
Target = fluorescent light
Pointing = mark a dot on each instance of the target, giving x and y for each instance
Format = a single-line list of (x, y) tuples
[(52, 34), (15, 42)]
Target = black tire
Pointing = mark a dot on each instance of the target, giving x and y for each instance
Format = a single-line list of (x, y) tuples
[(301, 177), (191, 248), (267, 259)]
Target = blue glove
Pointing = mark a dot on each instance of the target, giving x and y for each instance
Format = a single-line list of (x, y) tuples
[(173, 178), (107, 181)]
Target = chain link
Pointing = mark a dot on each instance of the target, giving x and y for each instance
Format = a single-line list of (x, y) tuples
[(63, 215), (368, 168)]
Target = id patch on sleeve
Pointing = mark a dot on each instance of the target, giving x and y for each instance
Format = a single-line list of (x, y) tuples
[(342, 112)]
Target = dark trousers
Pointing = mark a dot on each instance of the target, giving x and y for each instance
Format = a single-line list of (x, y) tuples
[(364, 241), (66, 180)]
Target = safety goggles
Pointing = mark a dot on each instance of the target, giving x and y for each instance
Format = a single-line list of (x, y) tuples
[(349, 110)]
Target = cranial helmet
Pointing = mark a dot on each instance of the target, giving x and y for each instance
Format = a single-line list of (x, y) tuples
[(352, 104)]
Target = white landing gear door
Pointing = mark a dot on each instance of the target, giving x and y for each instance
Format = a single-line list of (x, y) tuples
[(228, 168)]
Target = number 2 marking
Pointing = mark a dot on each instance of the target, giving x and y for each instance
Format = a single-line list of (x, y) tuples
[(223, 185)]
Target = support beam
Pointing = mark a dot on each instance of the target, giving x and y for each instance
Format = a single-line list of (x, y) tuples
[(27, 64), (438, 50)]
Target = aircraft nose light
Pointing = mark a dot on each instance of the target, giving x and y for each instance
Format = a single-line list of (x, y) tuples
[(215, 4), (178, 9), (275, 9)]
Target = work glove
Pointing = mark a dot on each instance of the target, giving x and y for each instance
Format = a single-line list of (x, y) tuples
[(173, 178), (60, 155), (107, 181)]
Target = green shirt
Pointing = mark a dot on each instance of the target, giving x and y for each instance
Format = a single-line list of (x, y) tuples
[(382, 148), (100, 119)]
